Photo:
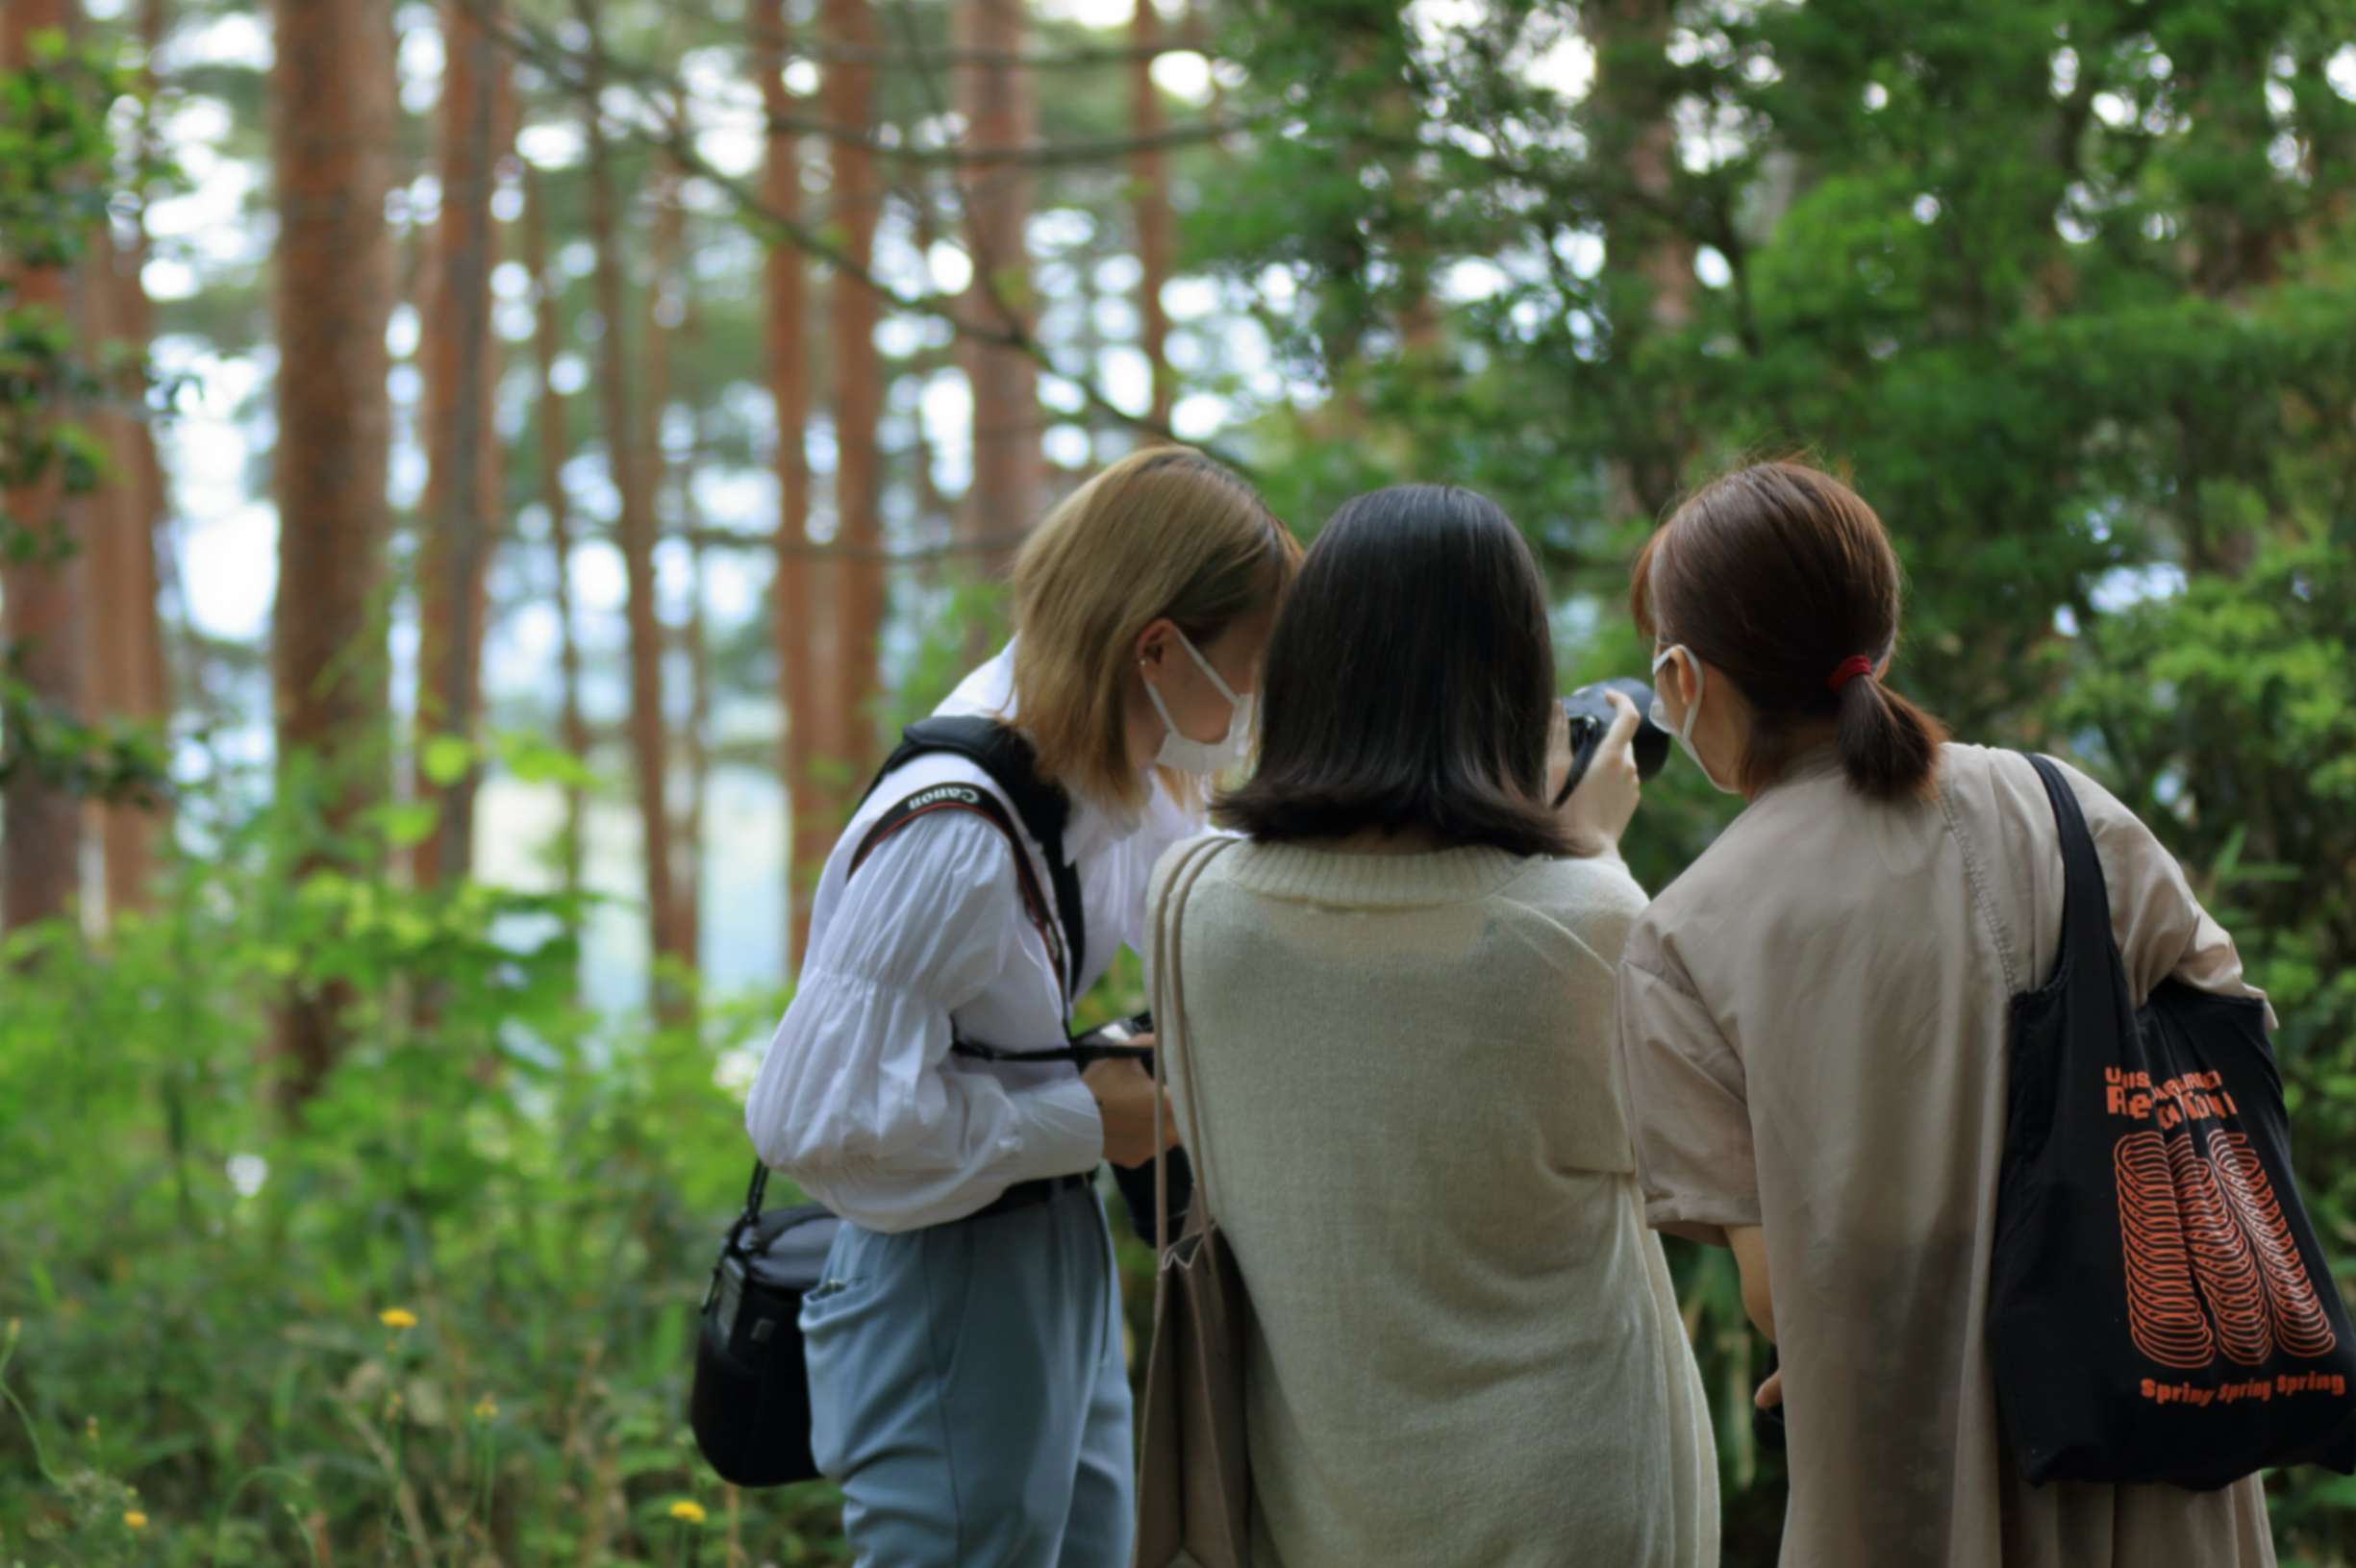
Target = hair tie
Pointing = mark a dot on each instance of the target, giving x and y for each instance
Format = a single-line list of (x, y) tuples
[(1851, 669)]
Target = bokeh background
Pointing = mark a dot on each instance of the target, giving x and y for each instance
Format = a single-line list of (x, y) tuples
[(482, 481)]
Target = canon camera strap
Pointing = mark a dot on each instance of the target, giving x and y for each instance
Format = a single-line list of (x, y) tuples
[(1006, 757)]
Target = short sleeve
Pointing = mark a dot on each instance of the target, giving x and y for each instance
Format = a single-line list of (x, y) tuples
[(1688, 1112), (2162, 930)]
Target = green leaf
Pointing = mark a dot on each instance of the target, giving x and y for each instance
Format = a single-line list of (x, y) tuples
[(445, 758), (407, 824), (535, 759)]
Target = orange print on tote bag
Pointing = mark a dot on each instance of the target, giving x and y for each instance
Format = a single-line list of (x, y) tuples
[(2159, 1307)]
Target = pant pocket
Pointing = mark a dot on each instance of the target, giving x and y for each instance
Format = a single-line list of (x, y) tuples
[(839, 1326)]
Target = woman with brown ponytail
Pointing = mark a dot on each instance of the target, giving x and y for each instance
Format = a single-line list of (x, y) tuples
[(1813, 1029)]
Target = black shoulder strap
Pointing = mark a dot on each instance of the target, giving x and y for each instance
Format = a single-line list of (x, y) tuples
[(2086, 899), (1044, 809), (1006, 757)]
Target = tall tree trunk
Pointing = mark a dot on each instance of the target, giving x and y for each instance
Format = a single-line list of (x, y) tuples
[(1156, 227), (795, 632), (668, 322), (698, 635), (40, 611), (855, 199), (460, 515), (121, 632), (1633, 128), (545, 288), (626, 452), (124, 633), (332, 122), (995, 99)]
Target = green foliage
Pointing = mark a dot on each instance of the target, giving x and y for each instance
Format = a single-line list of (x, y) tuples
[(198, 1284), (57, 172), (110, 761), (2064, 285), (2068, 287)]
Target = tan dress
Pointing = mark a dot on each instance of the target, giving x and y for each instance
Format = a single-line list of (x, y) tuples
[(1463, 1347), (1813, 1026)]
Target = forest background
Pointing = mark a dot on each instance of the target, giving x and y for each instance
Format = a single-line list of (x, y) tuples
[(431, 681)]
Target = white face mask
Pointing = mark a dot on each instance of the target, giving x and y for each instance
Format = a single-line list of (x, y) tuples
[(1203, 759), (1684, 732)]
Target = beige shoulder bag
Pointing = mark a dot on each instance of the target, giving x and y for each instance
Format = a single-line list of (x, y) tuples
[(1194, 1486)]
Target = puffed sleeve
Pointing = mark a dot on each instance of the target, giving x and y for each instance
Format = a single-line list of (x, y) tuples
[(859, 1100), (1689, 1108), (2162, 930)]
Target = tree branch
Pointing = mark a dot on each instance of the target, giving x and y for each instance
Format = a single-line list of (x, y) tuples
[(767, 542), (1039, 155), (916, 57), (577, 73)]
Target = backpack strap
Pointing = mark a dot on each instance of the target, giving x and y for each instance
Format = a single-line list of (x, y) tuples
[(1008, 763), (963, 797), (1007, 759)]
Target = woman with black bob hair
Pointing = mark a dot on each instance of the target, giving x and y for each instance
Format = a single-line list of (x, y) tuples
[(1391, 1021)]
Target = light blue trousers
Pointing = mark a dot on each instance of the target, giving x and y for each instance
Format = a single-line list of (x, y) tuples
[(967, 1390)]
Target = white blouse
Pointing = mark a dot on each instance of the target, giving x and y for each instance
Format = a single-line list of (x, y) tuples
[(859, 1100)]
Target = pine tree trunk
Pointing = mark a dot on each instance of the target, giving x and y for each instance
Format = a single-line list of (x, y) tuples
[(459, 517), (625, 449), (1156, 226), (121, 636), (996, 102), (124, 632), (697, 633), (332, 104), (666, 326), (40, 825), (855, 199), (553, 445), (1634, 129), (795, 632)]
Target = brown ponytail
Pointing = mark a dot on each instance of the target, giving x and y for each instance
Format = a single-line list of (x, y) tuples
[(1888, 747), (1782, 577)]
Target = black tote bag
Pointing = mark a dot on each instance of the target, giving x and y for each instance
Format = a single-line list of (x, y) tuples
[(2159, 1309)]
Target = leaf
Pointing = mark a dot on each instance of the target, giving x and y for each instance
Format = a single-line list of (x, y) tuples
[(407, 824), (445, 758), (534, 759)]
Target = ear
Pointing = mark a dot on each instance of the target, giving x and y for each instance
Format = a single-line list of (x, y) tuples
[(1689, 673), (1153, 643)]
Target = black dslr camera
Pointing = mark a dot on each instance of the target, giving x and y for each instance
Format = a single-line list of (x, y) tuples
[(1590, 720)]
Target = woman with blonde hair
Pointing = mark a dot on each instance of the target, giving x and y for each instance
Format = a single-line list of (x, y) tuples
[(968, 1383)]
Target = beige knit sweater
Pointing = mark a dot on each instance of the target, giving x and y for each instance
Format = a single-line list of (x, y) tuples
[(1464, 1348)]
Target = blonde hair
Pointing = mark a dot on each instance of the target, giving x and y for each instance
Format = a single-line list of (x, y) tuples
[(1165, 532)]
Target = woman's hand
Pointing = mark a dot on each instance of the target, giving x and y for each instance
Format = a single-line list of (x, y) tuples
[(1125, 1098), (1599, 810), (1749, 1245), (1770, 1392)]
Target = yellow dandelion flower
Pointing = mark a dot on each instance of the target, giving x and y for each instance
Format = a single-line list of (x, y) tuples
[(687, 1513), (485, 1408), (397, 1318), (136, 1519)]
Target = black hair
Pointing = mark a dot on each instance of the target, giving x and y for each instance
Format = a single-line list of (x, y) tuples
[(1408, 682)]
